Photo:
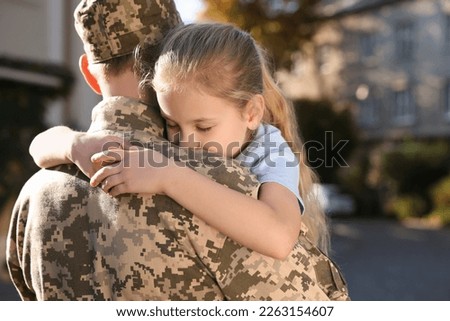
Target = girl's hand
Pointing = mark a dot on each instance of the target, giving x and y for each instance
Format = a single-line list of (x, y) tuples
[(84, 145), (134, 171)]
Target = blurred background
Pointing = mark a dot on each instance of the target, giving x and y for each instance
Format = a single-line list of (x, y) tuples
[(370, 81)]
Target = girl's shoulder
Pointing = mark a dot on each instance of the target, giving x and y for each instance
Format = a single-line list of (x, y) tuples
[(267, 143), (267, 133)]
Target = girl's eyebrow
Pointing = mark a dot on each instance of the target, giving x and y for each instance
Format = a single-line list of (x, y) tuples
[(202, 119), (194, 121)]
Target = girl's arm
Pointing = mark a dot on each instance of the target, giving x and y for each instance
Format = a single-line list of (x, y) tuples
[(269, 225), (52, 147), (62, 145)]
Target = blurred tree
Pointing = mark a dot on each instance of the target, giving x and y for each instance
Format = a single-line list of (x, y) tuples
[(330, 136), (412, 169), (440, 194), (281, 26), (355, 180)]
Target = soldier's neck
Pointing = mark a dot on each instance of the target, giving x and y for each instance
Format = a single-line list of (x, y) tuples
[(124, 84)]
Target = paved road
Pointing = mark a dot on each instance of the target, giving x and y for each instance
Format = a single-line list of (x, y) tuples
[(381, 260), (384, 260)]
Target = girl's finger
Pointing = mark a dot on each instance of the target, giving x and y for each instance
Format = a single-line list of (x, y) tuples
[(112, 141), (103, 173), (126, 144), (117, 190), (95, 168), (110, 182), (108, 156)]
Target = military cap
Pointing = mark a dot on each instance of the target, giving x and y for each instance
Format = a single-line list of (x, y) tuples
[(113, 28)]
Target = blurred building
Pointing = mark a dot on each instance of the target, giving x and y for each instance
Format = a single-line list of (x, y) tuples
[(390, 58), (40, 86), (41, 32)]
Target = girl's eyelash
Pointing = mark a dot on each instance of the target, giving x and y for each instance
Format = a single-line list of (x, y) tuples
[(204, 129)]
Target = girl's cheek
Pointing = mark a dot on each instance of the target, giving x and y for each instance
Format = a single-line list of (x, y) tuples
[(214, 148)]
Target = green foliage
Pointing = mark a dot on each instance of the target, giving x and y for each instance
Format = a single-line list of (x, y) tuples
[(414, 166), (443, 214), (410, 170), (330, 136), (354, 180), (408, 206), (440, 194), (280, 26)]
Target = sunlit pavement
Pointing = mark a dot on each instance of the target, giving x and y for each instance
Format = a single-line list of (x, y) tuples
[(380, 259), (385, 260), (7, 290)]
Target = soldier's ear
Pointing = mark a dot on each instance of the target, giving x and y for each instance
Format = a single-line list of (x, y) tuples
[(88, 76)]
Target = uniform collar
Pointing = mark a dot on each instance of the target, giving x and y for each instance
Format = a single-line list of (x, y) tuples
[(124, 114)]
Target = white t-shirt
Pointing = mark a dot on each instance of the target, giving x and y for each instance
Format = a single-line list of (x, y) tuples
[(271, 159)]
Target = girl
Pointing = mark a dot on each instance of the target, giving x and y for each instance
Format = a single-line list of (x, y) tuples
[(215, 92)]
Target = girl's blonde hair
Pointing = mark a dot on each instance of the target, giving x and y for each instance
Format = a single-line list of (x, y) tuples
[(225, 62)]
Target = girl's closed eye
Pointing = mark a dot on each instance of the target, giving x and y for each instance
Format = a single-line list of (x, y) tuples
[(204, 128)]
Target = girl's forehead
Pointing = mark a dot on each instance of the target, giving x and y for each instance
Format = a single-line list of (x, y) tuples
[(192, 107)]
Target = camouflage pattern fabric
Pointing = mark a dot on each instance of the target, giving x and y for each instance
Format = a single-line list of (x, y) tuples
[(113, 28), (69, 241)]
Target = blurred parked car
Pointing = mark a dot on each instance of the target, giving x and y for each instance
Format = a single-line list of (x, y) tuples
[(334, 201)]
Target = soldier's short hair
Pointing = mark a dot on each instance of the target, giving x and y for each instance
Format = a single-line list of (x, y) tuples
[(113, 28)]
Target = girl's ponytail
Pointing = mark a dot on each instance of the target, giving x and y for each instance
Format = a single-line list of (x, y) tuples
[(280, 113)]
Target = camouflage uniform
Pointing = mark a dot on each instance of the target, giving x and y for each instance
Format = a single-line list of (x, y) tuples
[(69, 241)]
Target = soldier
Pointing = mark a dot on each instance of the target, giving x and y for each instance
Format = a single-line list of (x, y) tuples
[(70, 241)]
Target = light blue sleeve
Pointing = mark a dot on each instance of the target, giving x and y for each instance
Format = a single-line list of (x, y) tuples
[(271, 159), (282, 167)]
